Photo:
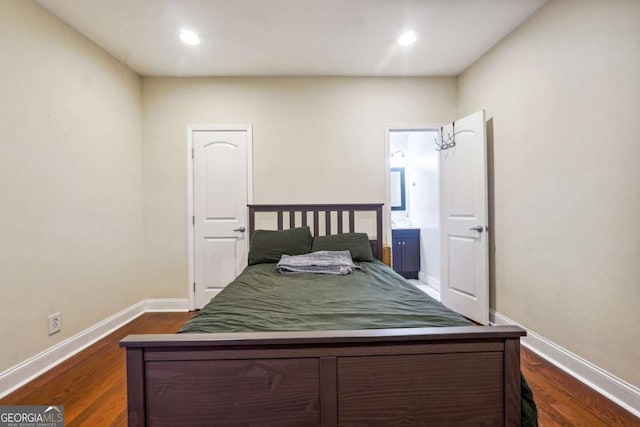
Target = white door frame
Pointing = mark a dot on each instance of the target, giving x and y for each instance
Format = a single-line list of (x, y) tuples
[(397, 127), (190, 226)]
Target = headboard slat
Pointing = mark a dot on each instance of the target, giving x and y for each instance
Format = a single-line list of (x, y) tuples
[(315, 223), (292, 219), (352, 222), (327, 222)]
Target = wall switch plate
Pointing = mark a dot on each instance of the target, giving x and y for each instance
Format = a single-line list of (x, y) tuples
[(55, 323)]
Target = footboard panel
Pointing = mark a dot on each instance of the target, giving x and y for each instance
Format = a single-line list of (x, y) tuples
[(427, 376), (432, 389)]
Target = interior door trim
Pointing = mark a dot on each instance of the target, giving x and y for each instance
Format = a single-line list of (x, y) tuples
[(388, 128)]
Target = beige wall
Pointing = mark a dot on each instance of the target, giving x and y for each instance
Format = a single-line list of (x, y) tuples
[(563, 93), (316, 140), (71, 235)]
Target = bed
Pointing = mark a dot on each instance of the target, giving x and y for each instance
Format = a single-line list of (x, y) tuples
[(296, 350)]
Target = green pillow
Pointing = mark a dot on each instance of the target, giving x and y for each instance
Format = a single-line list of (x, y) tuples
[(356, 243), (269, 246)]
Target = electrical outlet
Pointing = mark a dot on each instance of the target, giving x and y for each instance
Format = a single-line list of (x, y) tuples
[(55, 323)]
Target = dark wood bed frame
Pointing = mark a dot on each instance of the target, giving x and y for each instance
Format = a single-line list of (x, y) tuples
[(439, 376)]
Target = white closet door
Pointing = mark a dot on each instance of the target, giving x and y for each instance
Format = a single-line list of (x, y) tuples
[(220, 209)]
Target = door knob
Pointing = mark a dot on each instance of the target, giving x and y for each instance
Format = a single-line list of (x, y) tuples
[(477, 228), (241, 229)]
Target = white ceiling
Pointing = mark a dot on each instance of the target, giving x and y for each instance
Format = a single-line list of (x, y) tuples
[(295, 37)]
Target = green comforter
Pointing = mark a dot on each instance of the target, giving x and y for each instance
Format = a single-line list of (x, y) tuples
[(374, 297)]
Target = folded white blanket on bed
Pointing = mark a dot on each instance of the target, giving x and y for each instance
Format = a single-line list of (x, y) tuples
[(321, 262)]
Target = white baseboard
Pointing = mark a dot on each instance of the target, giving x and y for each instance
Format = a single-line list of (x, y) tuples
[(422, 276), (433, 285), (610, 386), (429, 280), (166, 304), (19, 375)]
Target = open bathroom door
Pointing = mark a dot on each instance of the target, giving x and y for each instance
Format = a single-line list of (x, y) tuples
[(464, 259)]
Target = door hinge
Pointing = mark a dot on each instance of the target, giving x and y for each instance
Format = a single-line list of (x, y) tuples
[(194, 287), (193, 220), (193, 153)]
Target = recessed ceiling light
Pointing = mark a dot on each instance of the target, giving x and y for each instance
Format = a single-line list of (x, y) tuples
[(407, 38), (189, 37)]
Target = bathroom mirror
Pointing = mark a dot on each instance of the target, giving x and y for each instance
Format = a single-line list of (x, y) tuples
[(397, 189)]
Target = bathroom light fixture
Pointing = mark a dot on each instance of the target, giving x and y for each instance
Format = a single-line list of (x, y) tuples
[(407, 38), (189, 37)]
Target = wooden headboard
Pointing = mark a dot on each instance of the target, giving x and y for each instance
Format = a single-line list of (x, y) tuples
[(325, 219)]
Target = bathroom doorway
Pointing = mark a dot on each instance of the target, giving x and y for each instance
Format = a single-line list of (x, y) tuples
[(414, 204)]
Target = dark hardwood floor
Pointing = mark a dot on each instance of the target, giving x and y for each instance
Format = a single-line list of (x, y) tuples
[(564, 401), (91, 385)]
